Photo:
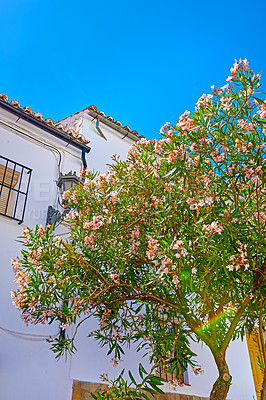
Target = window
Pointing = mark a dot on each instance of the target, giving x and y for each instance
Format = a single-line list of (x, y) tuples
[(170, 325), (14, 185), (162, 372)]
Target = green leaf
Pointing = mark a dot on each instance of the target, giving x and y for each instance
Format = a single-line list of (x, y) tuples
[(150, 390), (132, 378), (141, 370), (235, 211), (157, 379), (258, 100), (184, 275)]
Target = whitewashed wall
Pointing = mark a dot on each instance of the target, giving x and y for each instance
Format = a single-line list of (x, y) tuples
[(101, 149), (28, 369)]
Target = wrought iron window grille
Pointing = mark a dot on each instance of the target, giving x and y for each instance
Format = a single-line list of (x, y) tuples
[(14, 186), (162, 370)]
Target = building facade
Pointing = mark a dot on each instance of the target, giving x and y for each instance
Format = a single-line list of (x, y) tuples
[(33, 154)]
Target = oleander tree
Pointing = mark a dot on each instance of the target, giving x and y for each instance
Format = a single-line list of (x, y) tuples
[(169, 245)]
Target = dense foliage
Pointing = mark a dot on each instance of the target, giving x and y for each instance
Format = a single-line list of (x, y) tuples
[(176, 231)]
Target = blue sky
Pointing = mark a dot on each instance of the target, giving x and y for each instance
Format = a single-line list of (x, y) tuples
[(143, 62)]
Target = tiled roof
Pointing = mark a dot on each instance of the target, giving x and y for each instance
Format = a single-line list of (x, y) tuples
[(95, 113), (47, 121), (60, 127)]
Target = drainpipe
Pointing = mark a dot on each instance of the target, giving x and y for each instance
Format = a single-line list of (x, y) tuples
[(83, 157)]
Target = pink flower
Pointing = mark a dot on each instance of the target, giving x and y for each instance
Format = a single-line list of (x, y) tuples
[(152, 247), (134, 246), (208, 200), (225, 103), (178, 244), (90, 239), (230, 267), (135, 233), (225, 87), (40, 231), (64, 326), (176, 280), (184, 252), (193, 147), (165, 127), (214, 227), (204, 100), (74, 197), (256, 180), (95, 224), (186, 124), (57, 240), (113, 198), (262, 110)]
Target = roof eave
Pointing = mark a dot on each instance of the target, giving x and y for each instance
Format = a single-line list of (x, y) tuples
[(40, 124), (114, 126)]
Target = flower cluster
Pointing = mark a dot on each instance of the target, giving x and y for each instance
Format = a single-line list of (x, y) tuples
[(212, 228), (195, 204), (238, 66), (262, 110), (226, 103), (152, 250), (240, 259), (254, 175), (95, 224), (186, 124), (204, 101), (179, 249), (135, 243)]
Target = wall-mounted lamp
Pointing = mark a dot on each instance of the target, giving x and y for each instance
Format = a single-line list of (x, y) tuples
[(65, 182)]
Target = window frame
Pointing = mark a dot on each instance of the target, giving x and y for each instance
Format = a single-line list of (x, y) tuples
[(9, 168), (161, 370)]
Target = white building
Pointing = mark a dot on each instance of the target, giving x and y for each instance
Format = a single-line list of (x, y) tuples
[(33, 153)]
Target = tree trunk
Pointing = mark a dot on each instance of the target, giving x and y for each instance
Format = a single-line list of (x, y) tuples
[(222, 384), (263, 390)]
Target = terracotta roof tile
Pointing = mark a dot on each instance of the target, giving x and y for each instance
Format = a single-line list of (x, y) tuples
[(38, 116), (28, 110), (93, 108), (15, 103), (47, 121), (71, 132), (101, 113), (4, 97), (110, 118)]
